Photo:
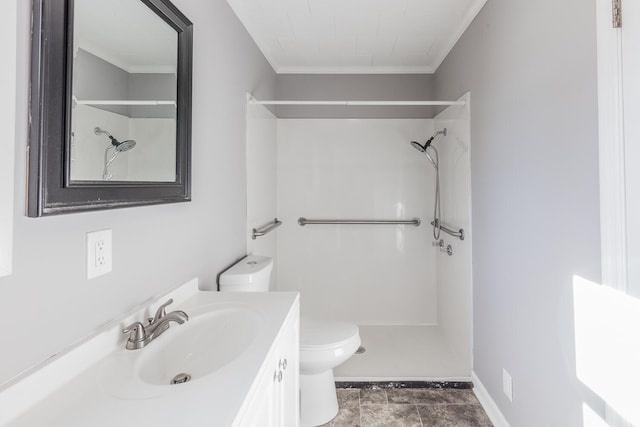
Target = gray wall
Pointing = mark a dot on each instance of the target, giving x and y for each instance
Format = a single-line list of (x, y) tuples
[(96, 79), (114, 81), (346, 87), (47, 302), (152, 87), (531, 70)]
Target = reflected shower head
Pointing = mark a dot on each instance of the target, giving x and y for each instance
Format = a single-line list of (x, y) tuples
[(119, 146), (418, 146)]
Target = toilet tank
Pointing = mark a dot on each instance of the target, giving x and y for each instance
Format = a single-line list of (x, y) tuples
[(251, 274)]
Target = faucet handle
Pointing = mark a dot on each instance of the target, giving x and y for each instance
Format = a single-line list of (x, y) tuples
[(136, 332), (161, 312)]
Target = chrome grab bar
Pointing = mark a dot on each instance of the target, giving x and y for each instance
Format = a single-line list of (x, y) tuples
[(459, 233), (257, 232), (302, 221)]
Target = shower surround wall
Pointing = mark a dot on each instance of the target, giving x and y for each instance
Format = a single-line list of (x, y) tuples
[(411, 301), (357, 169), (453, 273)]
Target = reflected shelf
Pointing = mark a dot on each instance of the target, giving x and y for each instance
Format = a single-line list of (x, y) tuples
[(77, 101)]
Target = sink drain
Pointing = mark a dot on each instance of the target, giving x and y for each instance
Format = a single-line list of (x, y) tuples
[(181, 378), (361, 350)]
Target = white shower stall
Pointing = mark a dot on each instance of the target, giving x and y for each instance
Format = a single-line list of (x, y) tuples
[(411, 300)]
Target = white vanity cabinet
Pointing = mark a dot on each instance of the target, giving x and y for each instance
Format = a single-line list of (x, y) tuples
[(274, 400), (98, 383)]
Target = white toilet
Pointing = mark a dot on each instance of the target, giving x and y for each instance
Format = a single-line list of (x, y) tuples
[(323, 344)]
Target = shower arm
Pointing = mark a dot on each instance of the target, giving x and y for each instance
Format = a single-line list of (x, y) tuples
[(99, 130), (430, 140)]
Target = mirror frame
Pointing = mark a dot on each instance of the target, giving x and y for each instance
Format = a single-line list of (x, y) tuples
[(50, 190)]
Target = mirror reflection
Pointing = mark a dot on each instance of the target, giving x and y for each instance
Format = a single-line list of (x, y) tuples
[(123, 119)]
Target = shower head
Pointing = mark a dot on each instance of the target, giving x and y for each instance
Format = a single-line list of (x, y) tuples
[(124, 145), (119, 146), (423, 148)]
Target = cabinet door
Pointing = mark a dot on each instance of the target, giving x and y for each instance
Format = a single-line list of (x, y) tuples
[(287, 397), (276, 402), (262, 412)]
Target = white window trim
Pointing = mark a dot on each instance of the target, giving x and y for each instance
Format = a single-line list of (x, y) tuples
[(612, 160), (613, 227)]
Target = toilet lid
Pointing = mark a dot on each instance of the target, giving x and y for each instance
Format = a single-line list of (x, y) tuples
[(316, 333)]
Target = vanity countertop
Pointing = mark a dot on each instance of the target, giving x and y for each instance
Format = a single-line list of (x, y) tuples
[(73, 390)]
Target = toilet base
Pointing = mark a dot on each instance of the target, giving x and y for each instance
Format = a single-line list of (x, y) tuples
[(318, 400)]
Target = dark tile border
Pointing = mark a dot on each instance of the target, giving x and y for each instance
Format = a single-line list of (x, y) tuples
[(367, 385)]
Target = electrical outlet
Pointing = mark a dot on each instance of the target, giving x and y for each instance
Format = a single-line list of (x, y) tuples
[(507, 385), (98, 253), (100, 257)]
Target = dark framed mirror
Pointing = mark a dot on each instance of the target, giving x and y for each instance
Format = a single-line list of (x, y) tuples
[(110, 105)]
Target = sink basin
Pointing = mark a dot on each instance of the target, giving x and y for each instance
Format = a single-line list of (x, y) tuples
[(204, 344), (213, 337)]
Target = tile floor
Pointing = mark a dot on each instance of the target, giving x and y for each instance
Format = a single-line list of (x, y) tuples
[(409, 407)]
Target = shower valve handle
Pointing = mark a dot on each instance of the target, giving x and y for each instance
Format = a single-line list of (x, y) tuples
[(448, 250)]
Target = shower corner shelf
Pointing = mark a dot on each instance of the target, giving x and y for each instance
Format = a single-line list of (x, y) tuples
[(254, 101)]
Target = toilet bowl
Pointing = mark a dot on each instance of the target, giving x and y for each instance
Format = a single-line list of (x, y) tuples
[(324, 344)]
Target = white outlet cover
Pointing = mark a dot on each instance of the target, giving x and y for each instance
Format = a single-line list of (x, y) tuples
[(507, 385), (94, 239)]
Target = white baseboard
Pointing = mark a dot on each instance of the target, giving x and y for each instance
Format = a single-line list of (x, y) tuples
[(490, 407)]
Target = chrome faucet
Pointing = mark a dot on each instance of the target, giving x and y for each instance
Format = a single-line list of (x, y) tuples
[(140, 335)]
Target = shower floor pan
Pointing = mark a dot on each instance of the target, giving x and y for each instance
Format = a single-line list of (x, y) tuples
[(416, 352)]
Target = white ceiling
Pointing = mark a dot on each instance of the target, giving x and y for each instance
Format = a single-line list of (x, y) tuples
[(356, 36), (127, 34)]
